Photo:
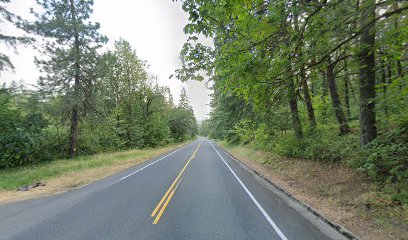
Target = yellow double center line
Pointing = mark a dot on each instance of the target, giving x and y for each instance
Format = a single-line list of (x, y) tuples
[(170, 192)]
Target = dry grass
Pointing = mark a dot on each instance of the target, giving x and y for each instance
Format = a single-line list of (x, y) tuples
[(339, 193), (63, 175)]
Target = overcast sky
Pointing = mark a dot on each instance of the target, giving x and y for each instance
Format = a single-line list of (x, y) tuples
[(153, 27)]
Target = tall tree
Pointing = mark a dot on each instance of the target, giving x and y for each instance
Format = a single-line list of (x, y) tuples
[(184, 100), (70, 44), (367, 72), (183, 123), (130, 78), (337, 106)]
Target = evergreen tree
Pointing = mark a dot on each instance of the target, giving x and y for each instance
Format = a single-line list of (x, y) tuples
[(70, 45), (184, 102), (183, 123), (9, 40)]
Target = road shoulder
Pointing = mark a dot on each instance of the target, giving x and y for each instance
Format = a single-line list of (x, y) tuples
[(74, 174)]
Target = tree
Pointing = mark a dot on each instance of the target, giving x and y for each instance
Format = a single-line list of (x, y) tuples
[(204, 129), (367, 73), (7, 16), (22, 139), (184, 102), (183, 124), (139, 107), (337, 106), (70, 46), (269, 55)]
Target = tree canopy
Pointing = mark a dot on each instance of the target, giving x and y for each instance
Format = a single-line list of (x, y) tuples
[(315, 79), (88, 100)]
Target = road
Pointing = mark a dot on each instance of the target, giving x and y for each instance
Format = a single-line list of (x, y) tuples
[(196, 192)]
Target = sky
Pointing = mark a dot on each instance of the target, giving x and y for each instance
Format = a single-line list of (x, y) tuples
[(153, 27)]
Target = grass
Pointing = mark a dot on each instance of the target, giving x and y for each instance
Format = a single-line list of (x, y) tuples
[(343, 195), (61, 175)]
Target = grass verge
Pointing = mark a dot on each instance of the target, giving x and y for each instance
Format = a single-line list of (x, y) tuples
[(339, 193), (63, 175)]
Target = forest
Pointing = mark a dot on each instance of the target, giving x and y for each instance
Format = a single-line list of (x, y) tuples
[(319, 80), (88, 100), (309, 103)]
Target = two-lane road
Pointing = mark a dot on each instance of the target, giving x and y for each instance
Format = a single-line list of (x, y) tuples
[(195, 192)]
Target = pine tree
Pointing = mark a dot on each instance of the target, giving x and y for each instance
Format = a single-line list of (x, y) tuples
[(70, 44), (184, 102), (183, 124), (9, 40)]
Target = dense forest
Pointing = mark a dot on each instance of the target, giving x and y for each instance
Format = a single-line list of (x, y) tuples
[(88, 100), (322, 80)]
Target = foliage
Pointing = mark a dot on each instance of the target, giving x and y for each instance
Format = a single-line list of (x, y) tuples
[(12, 178), (69, 56), (88, 101), (9, 40), (204, 128), (320, 145), (294, 76), (22, 140), (183, 124), (388, 163)]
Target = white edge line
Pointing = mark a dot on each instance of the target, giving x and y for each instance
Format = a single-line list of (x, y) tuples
[(140, 169), (271, 222)]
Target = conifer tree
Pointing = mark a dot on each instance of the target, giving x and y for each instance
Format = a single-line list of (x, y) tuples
[(70, 44), (9, 40)]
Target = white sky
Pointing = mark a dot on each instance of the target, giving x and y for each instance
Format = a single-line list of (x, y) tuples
[(153, 27)]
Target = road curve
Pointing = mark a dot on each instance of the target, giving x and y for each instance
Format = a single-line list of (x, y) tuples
[(195, 192)]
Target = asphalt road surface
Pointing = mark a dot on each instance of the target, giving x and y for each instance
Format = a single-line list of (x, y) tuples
[(196, 192)]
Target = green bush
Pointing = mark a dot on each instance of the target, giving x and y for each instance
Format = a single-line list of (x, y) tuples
[(22, 140), (262, 137), (319, 145), (244, 130), (389, 158), (388, 162)]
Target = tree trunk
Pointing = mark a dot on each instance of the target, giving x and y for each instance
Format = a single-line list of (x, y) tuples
[(384, 82), (399, 65), (292, 97), (338, 109), (367, 73), (400, 75), (346, 90), (308, 99), (77, 67), (129, 124), (323, 97), (312, 84), (74, 132)]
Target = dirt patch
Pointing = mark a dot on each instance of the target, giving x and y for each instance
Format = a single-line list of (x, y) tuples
[(338, 193)]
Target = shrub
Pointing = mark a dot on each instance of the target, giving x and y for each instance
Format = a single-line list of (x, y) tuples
[(388, 163), (319, 145)]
